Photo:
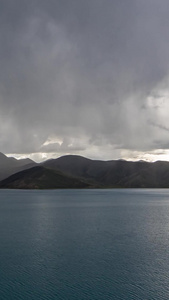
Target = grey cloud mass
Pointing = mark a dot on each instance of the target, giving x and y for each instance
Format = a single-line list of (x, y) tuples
[(85, 77)]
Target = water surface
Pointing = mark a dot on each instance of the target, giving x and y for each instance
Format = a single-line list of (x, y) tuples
[(84, 244)]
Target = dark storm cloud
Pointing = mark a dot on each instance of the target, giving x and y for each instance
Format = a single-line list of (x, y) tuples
[(80, 72)]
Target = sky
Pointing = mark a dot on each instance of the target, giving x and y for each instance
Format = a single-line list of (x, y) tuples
[(85, 77)]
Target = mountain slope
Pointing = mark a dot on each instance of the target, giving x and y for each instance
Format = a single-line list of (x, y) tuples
[(78, 166), (41, 178), (11, 165)]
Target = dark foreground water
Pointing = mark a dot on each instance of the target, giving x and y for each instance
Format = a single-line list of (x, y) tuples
[(84, 244)]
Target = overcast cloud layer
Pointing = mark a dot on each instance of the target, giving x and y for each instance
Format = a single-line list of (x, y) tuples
[(84, 77)]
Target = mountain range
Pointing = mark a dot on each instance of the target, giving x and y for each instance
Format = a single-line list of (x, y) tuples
[(72, 171)]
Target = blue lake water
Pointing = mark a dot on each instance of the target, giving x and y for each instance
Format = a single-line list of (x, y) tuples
[(84, 244)]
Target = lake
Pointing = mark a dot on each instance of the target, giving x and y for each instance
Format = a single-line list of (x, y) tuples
[(84, 244)]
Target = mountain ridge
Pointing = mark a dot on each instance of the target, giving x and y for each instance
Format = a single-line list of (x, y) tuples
[(93, 173)]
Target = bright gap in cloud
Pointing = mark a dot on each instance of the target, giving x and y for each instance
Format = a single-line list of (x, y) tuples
[(129, 155)]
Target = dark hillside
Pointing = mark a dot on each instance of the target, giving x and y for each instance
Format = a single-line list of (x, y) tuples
[(42, 178)]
